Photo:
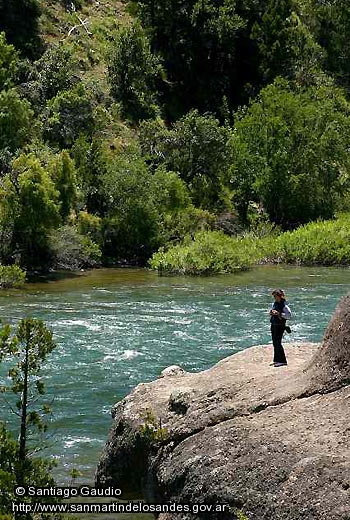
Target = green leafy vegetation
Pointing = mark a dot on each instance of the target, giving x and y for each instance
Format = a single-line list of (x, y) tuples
[(290, 153), (127, 127), (24, 351), (20, 21), (152, 430), (316, 243), (11, 276), (241, 515), (133, 70)]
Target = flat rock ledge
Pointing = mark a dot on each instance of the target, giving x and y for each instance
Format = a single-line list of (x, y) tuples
[(270, 443)]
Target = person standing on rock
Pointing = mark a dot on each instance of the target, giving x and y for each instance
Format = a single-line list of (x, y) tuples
[(279, 314)]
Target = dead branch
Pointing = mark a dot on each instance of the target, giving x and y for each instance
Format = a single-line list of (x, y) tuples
[(83, 23)]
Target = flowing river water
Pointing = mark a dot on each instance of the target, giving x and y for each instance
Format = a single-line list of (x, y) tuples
[(115, 328)]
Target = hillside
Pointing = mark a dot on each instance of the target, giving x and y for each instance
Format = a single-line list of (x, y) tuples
[(127, 127)]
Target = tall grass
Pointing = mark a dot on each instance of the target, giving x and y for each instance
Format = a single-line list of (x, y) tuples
[(209, 252)]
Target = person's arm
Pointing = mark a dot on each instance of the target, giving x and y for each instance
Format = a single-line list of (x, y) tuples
[(272, 311), (286, 313)]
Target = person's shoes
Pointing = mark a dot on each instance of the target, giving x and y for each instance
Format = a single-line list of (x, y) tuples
[(280, 364), (272, 364)]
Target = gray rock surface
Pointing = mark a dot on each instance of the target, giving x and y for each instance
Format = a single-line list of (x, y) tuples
[(271, 442)]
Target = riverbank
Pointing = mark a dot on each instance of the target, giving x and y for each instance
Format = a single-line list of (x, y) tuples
[(317, 243), (260, 439)]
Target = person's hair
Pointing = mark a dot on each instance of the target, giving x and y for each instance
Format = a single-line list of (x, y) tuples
[(279, 292)]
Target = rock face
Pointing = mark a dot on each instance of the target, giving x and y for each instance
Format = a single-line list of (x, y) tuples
[(273, 443)]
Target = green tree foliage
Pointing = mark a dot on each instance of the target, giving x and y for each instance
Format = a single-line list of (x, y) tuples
[(8, 458), (332, 28), (201, 43), (8, 62), (142, 207), (11, 276), (286, 46), (316, 243), (31, 202), (195, 147), (290, 153), (16, 120), (37, 473), (131, 223), (55, 72), (133, 71), (90, 226), (28, 348), (71, 250), (69, 115), (91, 164), (19, 19), (62, 172)]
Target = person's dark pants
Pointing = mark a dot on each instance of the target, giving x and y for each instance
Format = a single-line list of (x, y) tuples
[(277, 333)]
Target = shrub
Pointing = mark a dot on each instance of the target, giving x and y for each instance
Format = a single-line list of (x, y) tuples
[(132, 72), (152, 431), (8, 62), (316, 243), (56, 71), (208, 253), (16, 120), (290, 153), (11, 276), (69, 115), (70, 250), (325, 243)]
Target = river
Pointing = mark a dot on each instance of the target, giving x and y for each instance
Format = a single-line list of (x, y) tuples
[(115, 328)]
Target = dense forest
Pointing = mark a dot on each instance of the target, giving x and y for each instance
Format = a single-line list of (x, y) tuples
[(126, 128)]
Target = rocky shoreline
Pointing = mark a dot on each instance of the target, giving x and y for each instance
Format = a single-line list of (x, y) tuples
[(270, 443)]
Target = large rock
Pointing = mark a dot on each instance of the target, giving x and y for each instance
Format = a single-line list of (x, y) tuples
[(272, 442), (330, 367)]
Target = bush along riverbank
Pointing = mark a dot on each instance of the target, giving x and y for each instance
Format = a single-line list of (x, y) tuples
[(11, 276), (317, 243)]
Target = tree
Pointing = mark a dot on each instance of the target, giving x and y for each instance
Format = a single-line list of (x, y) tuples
[(206, 49), (8, 458), (8, 62), (196, 148), (62, 171), (19, 19), (133, 71), (91, 164), (290, 153), (69, 115), (130, 226), (32, 205), (56, 71), (286, 46), (16, 120), (28, 347), (332, 29)]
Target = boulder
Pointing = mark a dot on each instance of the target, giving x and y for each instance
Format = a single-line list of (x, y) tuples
[(242, 436)]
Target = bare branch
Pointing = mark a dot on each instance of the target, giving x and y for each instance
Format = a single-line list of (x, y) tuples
[(83, 23), (10, 406)]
